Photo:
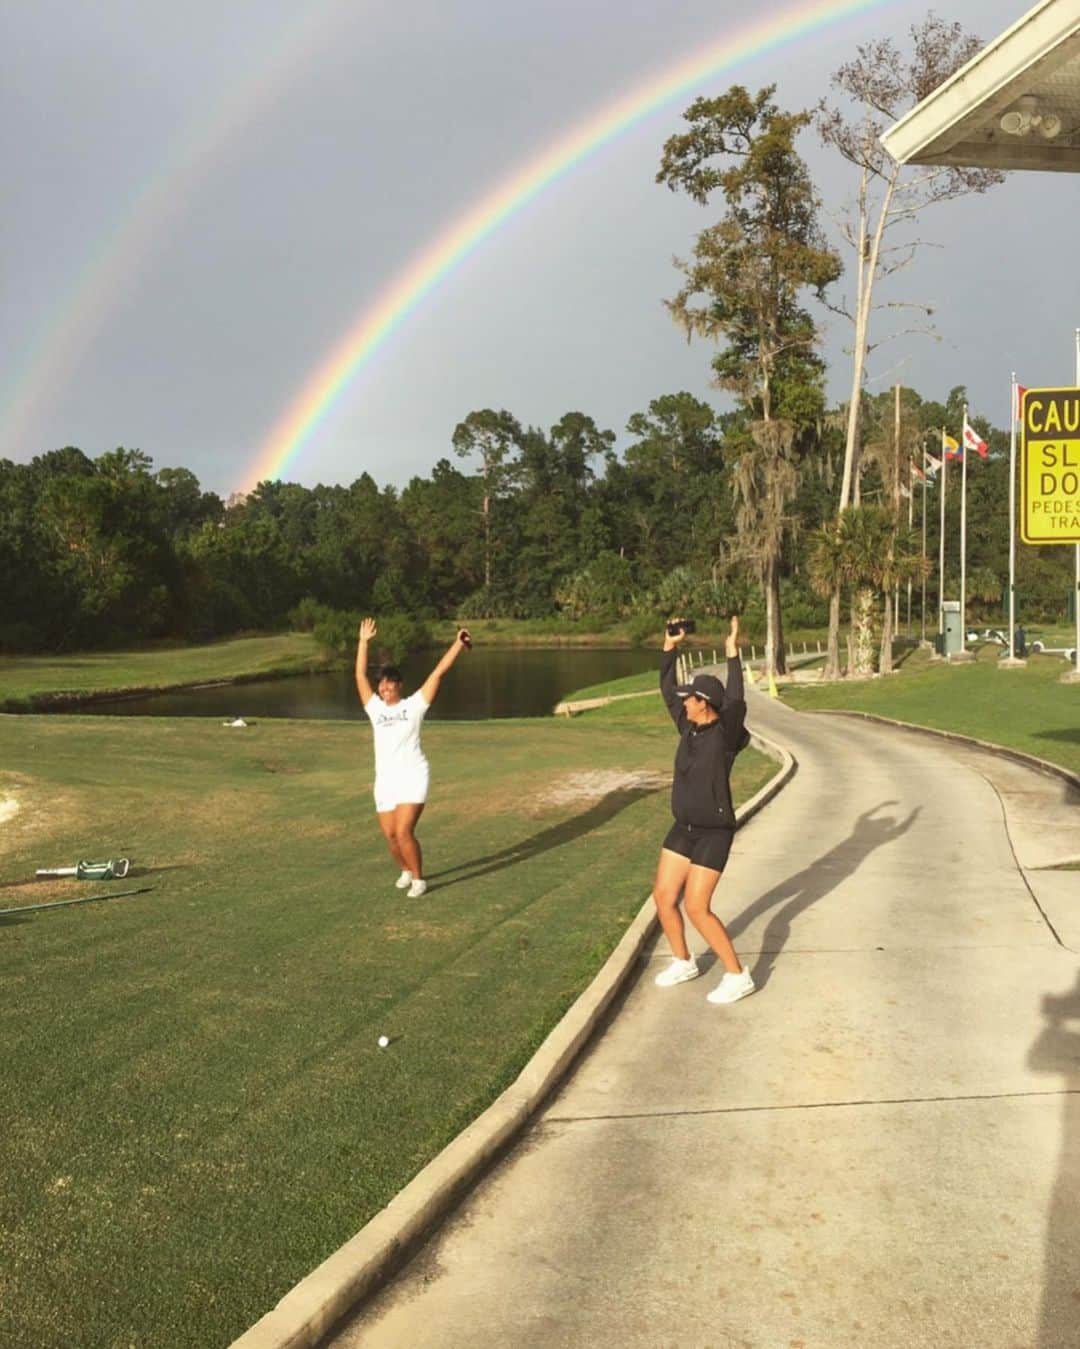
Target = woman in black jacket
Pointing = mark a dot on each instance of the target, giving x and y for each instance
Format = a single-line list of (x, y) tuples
[(710, 720)]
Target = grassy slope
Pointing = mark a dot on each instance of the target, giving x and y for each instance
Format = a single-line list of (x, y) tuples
[(25, 677), (1027, 708), (196, 1112)]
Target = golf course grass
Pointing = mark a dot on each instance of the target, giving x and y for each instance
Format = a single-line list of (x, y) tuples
[(197, 1110), (28, 680), (1027, 708)]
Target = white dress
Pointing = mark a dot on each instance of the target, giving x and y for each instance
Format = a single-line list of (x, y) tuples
[(401, 770)]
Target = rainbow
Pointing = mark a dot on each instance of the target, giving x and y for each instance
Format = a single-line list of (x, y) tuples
[(390, 310), (135, 231)]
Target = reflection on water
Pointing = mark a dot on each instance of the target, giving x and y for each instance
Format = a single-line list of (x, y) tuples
[(484, 683)]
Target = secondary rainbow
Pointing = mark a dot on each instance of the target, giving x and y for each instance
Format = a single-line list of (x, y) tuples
[(376, 323), (278, 58)]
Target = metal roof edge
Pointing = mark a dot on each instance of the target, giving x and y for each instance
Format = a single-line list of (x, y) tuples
[(1031, 39)]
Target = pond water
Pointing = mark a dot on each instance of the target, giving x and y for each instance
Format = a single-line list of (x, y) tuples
[(491, 682)]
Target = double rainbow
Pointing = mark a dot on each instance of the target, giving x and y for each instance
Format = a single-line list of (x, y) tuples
[(294, 431)]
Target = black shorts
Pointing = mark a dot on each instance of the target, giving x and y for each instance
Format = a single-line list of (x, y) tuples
[(704, 847)]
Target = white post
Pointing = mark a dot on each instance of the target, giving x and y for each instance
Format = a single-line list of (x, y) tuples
[(963, 537), (925, 485), (1013, 410), (1076, 592), (941, 543)]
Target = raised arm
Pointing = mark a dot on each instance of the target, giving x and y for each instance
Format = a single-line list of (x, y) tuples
[(668, 682), (363, 684), (430, 687), (734, 692)]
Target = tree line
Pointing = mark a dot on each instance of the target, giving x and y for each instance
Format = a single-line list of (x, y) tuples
[(521, 523)]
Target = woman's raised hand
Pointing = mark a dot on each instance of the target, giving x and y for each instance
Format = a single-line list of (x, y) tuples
[(672, 639), (731, 642), (367, 629)]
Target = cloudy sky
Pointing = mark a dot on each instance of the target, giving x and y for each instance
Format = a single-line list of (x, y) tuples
[(201, 203)]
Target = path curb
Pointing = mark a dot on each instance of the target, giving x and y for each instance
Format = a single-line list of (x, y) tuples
[(1003, 751), (321, 1299)]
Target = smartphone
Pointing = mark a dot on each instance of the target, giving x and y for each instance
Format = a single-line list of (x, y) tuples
[(686, 625)]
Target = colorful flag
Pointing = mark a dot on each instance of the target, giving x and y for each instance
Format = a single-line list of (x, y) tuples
[(916, 472), (951, 447), (933, 466), (972, 441), (1018, 406)]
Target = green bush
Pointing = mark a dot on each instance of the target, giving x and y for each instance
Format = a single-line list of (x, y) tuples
[(305, 615)]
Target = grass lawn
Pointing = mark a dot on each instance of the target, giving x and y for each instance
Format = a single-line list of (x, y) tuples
[(1026, 708), (196, 1110), (26, 678), (635, 683)]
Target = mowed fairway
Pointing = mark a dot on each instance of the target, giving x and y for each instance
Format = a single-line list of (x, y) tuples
[(196, 1109)]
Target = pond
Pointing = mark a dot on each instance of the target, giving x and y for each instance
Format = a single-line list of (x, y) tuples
[(485, 682)]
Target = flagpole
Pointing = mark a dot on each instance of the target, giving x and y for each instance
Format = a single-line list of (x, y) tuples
[(896, 498), (910, 522), (1014, 409), (941, 545), (1076, 596), (963, 535), (925, 484)]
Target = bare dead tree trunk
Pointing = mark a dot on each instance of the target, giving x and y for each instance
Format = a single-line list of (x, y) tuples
[(869, 251)]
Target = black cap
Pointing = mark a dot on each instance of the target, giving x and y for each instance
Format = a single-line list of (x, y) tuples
[(704, 686)]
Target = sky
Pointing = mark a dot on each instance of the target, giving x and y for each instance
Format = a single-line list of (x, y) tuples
[(202, 201)]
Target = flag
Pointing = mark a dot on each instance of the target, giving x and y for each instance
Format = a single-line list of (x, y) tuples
[(905, 491), (916, 472), (972, 441), (1018, 404), (951, 447), (932, 465)]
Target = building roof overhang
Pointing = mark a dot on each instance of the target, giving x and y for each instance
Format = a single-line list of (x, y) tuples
[(1015, 105)]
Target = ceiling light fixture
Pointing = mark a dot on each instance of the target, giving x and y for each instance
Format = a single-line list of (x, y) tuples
[(1025, 116)]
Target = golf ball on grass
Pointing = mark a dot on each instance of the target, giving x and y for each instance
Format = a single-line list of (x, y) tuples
[(384, 1040)]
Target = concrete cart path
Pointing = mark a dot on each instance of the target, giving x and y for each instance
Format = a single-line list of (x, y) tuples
[(880, 1148)]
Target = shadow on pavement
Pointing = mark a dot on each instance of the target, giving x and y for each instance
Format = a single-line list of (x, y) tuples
[(822, 876), (554, 837), (1057, 1051)]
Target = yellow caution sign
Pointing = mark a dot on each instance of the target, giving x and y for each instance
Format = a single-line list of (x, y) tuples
[(1050, 467)]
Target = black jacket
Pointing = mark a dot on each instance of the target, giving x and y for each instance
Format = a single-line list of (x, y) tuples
[(701, 789)]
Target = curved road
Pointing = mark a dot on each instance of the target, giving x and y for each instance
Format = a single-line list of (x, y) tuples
[(880, 1148)]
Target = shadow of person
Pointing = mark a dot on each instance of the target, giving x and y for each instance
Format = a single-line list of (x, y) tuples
[(1068, 734), (555, 836), (1056, 1050), (813, 882)]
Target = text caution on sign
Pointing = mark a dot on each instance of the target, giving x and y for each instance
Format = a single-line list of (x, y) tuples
[(1050, 467)]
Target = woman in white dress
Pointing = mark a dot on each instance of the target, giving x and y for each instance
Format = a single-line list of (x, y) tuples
[(401, 770)]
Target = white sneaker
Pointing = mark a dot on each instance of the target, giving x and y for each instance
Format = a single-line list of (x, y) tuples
[(732, 987), (677, 973), (404, 880), (417, 888)]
